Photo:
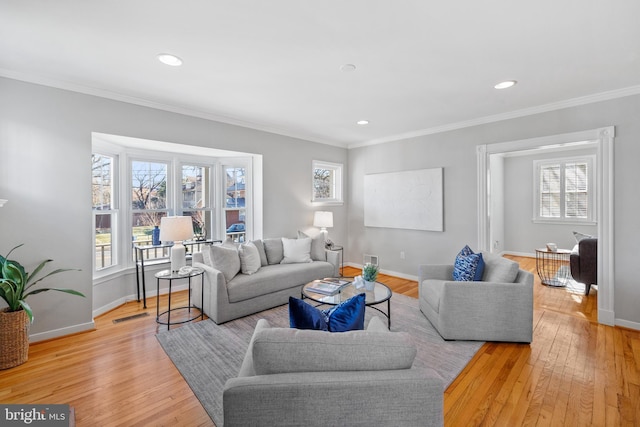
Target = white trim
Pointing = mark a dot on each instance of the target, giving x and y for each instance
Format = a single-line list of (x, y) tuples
[(574, 102), (57, 333), (604, 138), (230, 120), (133, 297)]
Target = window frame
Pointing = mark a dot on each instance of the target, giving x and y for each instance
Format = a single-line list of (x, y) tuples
[(338, 186), (591, 218), (209, 190), (247, 209), (114, 211)]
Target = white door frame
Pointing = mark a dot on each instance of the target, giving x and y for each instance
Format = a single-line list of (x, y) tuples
[(604, 138)]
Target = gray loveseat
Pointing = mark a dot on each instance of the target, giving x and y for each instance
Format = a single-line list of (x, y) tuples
[(313, 378), (498, 308), (233, 289)]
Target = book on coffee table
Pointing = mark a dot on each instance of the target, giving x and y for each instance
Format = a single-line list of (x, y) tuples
[(327, 286)]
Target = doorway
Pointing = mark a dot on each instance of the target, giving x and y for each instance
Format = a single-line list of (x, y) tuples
[(603, 138)]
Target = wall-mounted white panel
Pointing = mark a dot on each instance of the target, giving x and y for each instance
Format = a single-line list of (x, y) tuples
[(410, 200)]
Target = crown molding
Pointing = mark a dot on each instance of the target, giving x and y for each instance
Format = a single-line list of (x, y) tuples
[(143, 102), (230, 120), (574, 102)]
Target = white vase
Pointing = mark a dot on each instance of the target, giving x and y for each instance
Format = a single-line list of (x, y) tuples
[(369, 285)]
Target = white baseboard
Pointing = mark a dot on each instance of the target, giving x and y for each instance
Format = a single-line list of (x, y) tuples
[(388, 272), (628, 324), (133, 297), (515, 253), (57, 333)]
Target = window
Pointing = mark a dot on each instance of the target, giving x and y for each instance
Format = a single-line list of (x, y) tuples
[(148, 201), (326, 182), (196, 198), (105, 212), (235, 203), (564, 190)]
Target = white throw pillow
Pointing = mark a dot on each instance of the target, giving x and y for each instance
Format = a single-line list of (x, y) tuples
[(296, 250), (249, 258), (317, 246)]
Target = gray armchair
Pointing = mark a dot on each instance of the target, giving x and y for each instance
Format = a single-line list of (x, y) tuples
[(315, 378), (499, 308)]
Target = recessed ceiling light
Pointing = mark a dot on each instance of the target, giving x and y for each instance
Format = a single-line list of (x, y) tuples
[(363, 122), (506, 84), (348, 68), (169, 59)]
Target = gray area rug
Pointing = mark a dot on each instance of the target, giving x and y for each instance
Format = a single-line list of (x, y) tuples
[(207, 355)]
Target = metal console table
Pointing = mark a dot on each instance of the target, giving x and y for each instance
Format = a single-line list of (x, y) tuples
[(139, 253)]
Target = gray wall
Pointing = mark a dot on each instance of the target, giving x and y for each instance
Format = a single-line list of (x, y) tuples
[(455, 151), (45, 173), (522, 235)]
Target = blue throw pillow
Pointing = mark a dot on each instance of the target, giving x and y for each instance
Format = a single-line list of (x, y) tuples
[(346, 316), (468, 266)]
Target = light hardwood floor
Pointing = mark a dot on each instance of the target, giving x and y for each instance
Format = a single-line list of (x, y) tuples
[(575, 373)]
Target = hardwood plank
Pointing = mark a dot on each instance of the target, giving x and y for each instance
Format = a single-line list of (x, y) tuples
[(575, 372)]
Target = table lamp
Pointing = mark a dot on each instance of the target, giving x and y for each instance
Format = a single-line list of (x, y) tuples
[(323, 220), (176, 229)]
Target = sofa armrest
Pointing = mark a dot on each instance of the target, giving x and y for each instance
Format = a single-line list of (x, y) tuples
[(215, 289), (319, 398), (502, 311), (333, 257), (435, 271)]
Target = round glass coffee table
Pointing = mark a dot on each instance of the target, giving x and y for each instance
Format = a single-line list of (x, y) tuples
[(380, 294)]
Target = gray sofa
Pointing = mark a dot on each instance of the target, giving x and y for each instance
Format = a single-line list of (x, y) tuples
[(498, 308), (229, 293), (293, 377)]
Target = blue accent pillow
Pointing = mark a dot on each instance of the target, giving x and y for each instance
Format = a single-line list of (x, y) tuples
[(346, 316), (468, 266)]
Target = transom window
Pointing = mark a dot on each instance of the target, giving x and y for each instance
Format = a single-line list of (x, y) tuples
[(564, 190)]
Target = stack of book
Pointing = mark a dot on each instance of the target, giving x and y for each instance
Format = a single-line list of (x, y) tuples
[(327, 286)]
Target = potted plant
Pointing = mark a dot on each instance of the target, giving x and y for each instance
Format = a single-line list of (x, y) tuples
[(369, 275), (15, 286)]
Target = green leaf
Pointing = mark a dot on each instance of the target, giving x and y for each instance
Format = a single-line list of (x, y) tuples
[(27, 308), (68, 291)]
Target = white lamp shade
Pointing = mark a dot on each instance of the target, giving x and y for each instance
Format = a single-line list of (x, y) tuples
[(176, 228), (323, 219)]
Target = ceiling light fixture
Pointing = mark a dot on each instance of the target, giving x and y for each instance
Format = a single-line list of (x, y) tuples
[(363, 122), (506, 84), (348, 68), (169, 59)]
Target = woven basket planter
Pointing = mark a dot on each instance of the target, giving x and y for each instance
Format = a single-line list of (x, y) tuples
[(14, 338)]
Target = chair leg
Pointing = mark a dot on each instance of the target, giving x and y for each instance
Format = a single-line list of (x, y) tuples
[(587, 288)]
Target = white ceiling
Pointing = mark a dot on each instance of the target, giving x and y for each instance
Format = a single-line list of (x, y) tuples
[(421, 66)]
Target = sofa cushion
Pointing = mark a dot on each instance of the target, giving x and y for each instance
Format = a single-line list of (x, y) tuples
[(282, 350), (274, 250), (224, 259), (346, 316), (498, 269), (249, 258), (579, 236), (468, 266), (261, 252), (317, 246), (296, 250), (275, 278)]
